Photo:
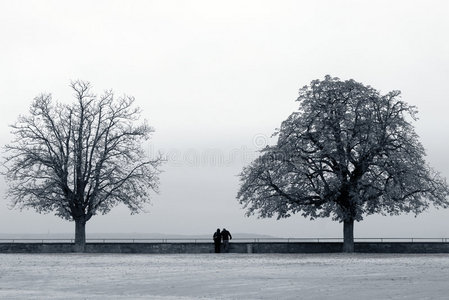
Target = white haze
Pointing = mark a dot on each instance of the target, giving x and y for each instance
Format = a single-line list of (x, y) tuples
[(215, 78)]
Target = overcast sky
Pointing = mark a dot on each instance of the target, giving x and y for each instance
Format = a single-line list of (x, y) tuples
[(215, 79)]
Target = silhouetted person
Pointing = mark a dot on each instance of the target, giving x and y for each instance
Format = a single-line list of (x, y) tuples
[(217, 240), (226, 235)]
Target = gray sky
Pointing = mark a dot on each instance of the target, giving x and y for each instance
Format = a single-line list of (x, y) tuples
[(215, 78)]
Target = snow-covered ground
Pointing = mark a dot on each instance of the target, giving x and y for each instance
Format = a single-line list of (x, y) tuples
[(224, 276)]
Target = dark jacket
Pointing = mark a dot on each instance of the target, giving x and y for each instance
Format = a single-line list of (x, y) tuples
[(217, 237), (226, 235)]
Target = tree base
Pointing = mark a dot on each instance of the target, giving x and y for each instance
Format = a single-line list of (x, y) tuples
[(79, 248)]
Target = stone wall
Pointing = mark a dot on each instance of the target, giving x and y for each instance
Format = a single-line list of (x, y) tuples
[(273, 247)]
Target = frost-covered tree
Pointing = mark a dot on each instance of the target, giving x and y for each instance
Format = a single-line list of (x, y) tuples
[(81, 159), (347, 152)]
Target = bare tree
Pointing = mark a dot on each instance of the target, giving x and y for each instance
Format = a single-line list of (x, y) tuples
[(347, 152), (81, 159)]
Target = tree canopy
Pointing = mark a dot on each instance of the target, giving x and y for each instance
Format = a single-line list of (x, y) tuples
[(348, 152)]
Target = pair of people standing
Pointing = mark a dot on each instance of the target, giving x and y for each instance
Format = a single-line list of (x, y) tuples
[(218, 237)]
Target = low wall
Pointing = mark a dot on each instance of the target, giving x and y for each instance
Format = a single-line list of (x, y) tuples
[(272, 247)]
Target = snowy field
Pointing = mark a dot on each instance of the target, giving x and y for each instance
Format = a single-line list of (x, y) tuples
[(224, 276)]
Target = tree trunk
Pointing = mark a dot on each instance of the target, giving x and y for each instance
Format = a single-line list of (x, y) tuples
[(348, 236), (80, 234)]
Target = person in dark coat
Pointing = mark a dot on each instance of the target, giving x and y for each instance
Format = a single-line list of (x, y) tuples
[(217, 240), (226, 236)]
